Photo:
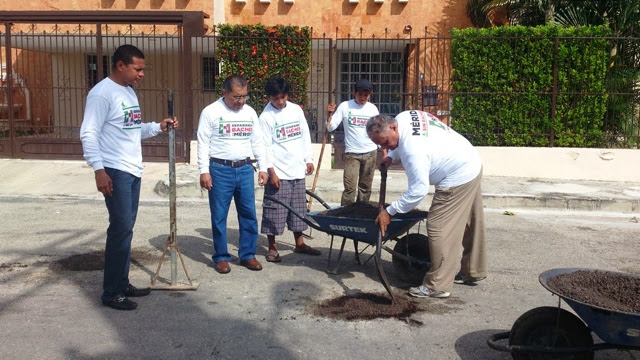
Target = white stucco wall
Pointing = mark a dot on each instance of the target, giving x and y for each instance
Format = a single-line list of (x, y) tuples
[(562, 163), (551, 163)]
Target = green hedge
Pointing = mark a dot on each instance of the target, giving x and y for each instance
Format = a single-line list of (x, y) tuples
[(258, 52), (502, 80)]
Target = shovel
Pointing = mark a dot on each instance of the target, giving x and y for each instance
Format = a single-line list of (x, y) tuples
[(380, 270)]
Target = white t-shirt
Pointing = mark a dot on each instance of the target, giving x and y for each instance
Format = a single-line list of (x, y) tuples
[(227, 134), (431, 153), (355, 118), (112, 128), (287, 140)]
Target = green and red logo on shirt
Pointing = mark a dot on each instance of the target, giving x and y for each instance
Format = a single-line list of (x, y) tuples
[(235, 130), (132, 116), (287, 132), (357, 120)]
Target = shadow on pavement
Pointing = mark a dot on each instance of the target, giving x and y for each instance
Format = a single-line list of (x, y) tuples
[(473, 345)]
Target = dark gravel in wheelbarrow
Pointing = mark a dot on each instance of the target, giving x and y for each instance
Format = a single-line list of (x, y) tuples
[(365, 306), (601, 289), (368, 210)]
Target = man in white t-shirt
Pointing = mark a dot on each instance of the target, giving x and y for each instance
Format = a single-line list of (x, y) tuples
[(288, 149), (360, 152), (433, 153), (228, 135), (111, 134)]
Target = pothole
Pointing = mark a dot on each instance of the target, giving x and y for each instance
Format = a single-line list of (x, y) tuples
[(94, 260)]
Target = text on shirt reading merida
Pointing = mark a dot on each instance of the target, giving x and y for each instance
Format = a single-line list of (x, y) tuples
[(234, 130), (132, 117), (419, 123), (288, 132), (357, 120)]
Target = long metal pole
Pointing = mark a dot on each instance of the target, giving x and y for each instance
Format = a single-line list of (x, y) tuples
[(172, 191)]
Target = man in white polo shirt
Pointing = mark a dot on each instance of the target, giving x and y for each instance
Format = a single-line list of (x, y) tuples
[(433, 153), (288, 148), (228, 135), (360, 152)]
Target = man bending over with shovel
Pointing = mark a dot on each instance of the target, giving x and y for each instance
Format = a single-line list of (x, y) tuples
[(432, 153), (288, 151)]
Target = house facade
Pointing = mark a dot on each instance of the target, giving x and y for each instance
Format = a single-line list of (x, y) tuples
[(53, 52)]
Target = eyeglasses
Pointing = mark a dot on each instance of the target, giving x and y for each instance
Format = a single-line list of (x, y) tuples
[(241, 97)]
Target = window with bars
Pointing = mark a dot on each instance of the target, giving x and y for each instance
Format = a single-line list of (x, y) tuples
[(209, 72), (385, 70), (92, 68)]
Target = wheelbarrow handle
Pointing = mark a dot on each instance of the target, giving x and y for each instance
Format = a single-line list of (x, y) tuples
[(301, 216), (318, 198)]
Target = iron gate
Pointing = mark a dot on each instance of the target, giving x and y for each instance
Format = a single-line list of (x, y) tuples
[(50, 61)]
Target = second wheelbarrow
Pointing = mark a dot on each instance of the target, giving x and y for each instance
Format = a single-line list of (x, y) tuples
[(548, 332)]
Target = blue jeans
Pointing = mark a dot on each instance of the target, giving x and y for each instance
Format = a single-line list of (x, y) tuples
[(228, 182), (123, 209)]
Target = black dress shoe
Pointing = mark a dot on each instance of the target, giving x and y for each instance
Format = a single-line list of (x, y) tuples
[(132, 291), (121, 303)]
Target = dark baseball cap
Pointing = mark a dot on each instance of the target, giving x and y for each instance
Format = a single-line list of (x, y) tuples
[(363, 85)]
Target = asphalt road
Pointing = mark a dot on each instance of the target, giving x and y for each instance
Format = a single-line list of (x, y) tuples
[(53, 314)]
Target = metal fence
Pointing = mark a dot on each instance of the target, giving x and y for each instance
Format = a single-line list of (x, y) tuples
[(48, 69), (48, 66)]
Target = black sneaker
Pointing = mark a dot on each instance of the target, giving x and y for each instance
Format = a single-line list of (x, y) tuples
[(121, 303), (132, 291), (467, 280)]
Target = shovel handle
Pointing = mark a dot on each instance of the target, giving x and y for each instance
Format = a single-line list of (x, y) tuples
[(315, 179)]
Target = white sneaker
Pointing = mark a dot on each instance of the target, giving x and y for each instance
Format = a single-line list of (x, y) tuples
[(423, 291)]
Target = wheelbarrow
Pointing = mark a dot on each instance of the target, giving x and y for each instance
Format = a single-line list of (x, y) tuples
[(551, 332), (410, 255)]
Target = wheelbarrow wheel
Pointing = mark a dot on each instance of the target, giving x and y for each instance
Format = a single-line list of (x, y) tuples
[(552, 327), (415, 246)]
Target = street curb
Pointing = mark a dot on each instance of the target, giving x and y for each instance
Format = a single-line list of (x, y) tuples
[(493, 201)]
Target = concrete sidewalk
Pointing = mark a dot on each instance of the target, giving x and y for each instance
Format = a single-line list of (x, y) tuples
[(74, 179)]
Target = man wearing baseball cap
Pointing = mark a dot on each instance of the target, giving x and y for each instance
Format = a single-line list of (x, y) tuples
[(360, 152)]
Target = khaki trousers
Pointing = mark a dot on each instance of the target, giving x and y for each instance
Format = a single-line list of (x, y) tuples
[(455, 225), (358, 176)]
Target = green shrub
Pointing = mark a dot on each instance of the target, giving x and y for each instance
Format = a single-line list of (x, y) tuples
[(258, 52), (503, 85)]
